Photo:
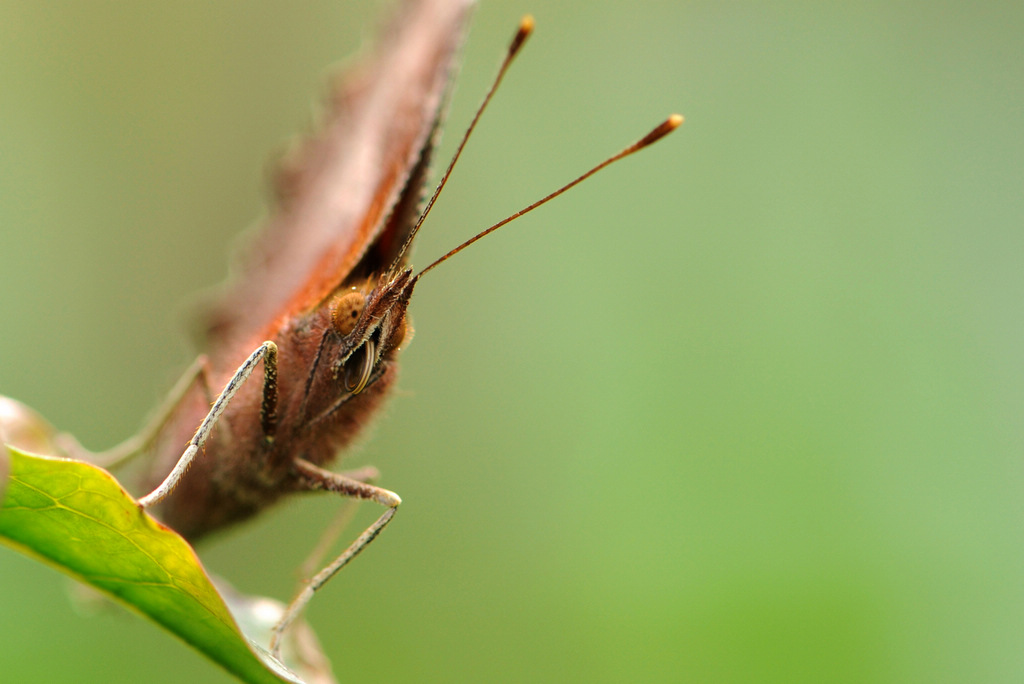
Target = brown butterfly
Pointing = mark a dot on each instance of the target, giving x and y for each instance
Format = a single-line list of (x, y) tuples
[(303, 345)]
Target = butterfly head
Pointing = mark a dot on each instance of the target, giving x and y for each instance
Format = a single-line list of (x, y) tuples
[(370, 325)]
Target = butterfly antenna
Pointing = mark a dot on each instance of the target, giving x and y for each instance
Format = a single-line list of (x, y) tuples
[(663, 129), (525, 29)]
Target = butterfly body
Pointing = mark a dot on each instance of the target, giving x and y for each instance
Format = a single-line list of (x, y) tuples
[(305, 342), (326, 281), (246, 467)]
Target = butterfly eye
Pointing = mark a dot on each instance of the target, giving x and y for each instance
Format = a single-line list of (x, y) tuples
[(345, 311)]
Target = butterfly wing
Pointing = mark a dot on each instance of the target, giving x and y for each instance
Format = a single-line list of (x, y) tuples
[(354, 182)]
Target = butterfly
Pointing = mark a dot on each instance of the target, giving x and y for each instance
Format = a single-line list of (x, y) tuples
[(303, 345)]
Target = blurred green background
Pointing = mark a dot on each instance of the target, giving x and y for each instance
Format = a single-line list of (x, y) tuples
[(748, 407)]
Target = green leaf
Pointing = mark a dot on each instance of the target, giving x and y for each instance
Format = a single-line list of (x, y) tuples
[(77, 517)]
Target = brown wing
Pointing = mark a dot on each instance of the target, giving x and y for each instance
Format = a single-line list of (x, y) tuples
[(346, 180)]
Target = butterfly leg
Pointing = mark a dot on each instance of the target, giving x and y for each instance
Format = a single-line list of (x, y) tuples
[(315, 478), (267, 353), (197, 373), (340, 522)]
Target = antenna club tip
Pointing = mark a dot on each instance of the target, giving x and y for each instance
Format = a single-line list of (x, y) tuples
[(525, 29), (664, 128)]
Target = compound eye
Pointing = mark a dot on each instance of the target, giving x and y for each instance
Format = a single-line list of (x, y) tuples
[(345, 311)]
